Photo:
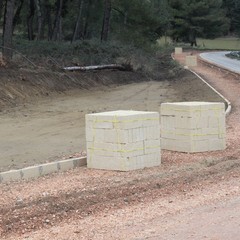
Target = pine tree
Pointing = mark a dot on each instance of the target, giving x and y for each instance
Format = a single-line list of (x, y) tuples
[(193, 18)]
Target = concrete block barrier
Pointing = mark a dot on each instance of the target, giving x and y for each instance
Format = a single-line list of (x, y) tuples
[(123, 140), (41, 170), (193, 126)]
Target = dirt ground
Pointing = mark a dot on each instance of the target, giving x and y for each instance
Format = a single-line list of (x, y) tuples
[(52, 128), (190, 196)]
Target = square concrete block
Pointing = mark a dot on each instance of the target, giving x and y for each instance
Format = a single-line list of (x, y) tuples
[(178, 50), (13, 175), (48, 168), (191, 61), (193, 126), (30, 172), (125, 143)]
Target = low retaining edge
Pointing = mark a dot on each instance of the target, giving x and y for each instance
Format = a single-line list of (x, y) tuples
[(42, 169), (229, 106)]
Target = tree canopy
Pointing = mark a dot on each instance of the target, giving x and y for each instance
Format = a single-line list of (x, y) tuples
[(135, 21), (193, 18)]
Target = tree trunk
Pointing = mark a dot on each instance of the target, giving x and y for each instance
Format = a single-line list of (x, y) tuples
[(106, 20), (39, 20), (125, 18), (17, 13), (86, 23), (1, 8), (49, 19), (30, 20), (8, 30), (98, 67), (57, 22), (76, 34), (192, 38)]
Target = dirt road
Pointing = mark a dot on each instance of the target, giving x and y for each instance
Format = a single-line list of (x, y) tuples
[(54, 127)]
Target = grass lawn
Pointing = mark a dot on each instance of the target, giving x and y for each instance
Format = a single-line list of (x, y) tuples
[(218, 43)]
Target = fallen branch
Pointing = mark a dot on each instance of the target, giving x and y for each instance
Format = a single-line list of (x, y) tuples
[(97, 67)]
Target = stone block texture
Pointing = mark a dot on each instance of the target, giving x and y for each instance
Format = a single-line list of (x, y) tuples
[(178, 50), (123, 140), (191, 61), (193, 126)]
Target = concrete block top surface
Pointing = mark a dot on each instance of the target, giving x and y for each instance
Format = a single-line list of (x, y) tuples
[(194, 104), (122, 113)]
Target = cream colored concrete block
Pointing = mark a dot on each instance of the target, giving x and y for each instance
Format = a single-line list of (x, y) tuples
[(200, 146), (151, 133), (194, 125), (116, 136), (168, 133), (95, 134), (30, 172), (200, 121), (152, 146), (66, 165), (48, 168), (191, 61), (137, 134), (126, 125), (103, 125), (124, 142), (183, 146), (214, 121), (178, 50), (153, 159), (99, 125), (116, 150), (168, 121), (167, 109), (168, 144), (217, 144), (13, 175), (132, 149), (108, 163), (184, 122), (151, 122)]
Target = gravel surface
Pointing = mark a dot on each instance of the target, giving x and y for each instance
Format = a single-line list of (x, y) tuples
[(155, 203)]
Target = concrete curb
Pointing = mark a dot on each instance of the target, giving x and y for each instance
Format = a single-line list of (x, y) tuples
[(42, 169), (229, 106)]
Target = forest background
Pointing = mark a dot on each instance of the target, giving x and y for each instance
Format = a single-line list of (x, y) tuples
[(138, 23)]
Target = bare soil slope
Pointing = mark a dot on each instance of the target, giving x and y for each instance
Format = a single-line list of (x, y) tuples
[(54, 126)]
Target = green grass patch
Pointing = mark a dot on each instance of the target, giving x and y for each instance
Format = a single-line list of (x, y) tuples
[(226, 43), (219, 43)]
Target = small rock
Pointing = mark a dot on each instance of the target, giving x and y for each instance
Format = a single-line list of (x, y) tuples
[(19, 201), (47, 221)]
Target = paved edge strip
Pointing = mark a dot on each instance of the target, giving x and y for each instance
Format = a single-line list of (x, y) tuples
[(42, 169), (229, 105)]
